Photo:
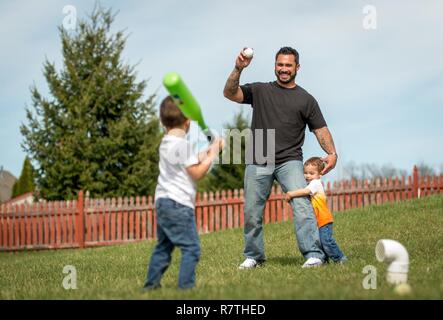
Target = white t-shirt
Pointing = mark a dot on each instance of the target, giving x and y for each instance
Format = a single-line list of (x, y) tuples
[(174, 182), (316, 186)]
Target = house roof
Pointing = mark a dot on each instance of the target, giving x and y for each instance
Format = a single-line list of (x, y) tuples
[(27, 197), (7, 181)]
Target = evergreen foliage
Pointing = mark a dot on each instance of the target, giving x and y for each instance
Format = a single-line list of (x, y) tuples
[(95, 132), (25, 182)]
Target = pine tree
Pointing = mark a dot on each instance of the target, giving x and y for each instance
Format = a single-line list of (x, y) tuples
[(25, 182), (95, 132), (230, 175), (15, 188)]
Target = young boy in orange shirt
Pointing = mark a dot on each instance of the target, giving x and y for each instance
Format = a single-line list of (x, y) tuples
[(312, 169)]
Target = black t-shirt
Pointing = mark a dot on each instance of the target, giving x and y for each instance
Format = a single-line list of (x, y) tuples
[(288, 111)]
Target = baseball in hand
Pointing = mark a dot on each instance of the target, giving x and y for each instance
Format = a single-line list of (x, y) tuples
[(248, 52)]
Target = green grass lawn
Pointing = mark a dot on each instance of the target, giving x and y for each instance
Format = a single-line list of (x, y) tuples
[(118, 272)]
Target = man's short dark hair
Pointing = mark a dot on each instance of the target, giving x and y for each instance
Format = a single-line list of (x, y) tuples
[(288, 51), (170, 115)]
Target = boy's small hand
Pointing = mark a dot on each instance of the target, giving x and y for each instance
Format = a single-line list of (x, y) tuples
[(288, 196), (215, 148), (210, 152), (219, 144)]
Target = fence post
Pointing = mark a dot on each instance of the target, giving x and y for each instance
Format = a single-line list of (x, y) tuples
[(80, 220), (415, 183)]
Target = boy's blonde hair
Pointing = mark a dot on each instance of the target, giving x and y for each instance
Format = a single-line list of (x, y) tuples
[(316, 162)]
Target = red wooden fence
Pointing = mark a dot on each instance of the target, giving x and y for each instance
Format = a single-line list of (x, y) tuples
[(97, 222)]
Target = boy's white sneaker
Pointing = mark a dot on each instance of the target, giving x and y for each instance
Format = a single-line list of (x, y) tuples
[(248, 264), (312, 262)]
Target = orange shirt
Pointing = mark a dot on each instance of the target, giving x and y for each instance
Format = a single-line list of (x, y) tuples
[(319, 203)]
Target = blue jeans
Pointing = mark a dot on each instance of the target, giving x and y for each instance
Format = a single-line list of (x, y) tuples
[(258, 184), (329, 245), (175, 228)]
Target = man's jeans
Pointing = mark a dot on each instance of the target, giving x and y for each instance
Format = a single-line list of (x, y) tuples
[(258, 184), (175, 228), (329, 245)]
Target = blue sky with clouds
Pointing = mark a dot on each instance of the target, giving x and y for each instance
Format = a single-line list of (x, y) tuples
[(381, 91)]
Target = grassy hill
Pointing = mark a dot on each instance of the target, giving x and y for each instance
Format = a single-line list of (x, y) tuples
[(118, 272)]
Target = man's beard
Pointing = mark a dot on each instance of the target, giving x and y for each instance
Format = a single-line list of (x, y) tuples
[(290, 79)]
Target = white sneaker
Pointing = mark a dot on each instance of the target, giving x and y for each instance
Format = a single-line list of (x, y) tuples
[(248, 264), (312, 262)]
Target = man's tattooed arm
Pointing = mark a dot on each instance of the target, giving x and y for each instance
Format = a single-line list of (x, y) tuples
[(232, 85), (325, 140)]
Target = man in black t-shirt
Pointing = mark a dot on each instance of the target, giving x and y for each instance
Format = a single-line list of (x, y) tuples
[(281, 111)]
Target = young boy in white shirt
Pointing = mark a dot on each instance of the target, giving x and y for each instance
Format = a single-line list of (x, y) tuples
[(175, 195), (312, 171)]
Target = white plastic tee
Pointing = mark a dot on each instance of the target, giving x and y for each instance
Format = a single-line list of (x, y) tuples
[(394, 253)]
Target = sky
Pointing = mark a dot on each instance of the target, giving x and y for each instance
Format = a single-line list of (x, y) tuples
[(376, 72)]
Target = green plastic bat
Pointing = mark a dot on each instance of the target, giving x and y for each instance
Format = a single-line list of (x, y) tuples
[(185, 100)]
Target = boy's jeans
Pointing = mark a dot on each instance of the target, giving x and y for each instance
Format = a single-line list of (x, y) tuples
[(175, 228), (258, 184), (329, 245)]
